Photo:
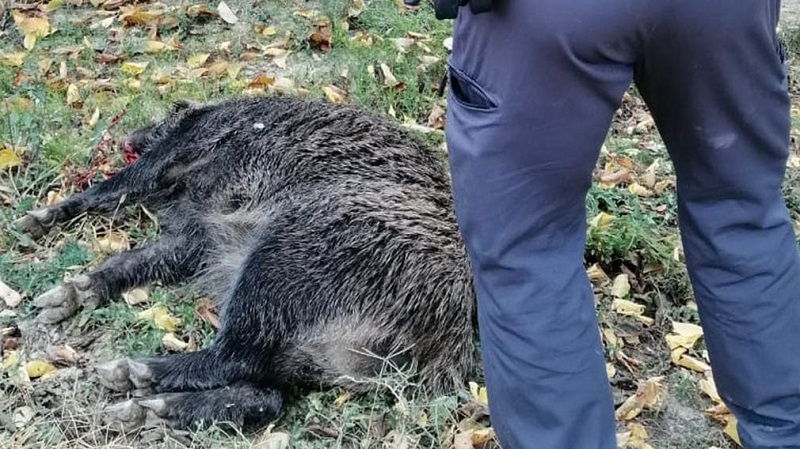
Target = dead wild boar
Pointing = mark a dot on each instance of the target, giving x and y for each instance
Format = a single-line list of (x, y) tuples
[(326, 234)]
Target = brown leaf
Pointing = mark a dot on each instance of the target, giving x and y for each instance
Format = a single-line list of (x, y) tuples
[(320, 36), (204, 309), (133, 15), (649, 395), (436, 119)]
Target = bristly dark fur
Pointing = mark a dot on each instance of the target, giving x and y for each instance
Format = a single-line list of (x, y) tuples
[(322, 230)]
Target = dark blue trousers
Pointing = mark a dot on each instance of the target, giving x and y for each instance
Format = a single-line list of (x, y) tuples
[(533, 88)]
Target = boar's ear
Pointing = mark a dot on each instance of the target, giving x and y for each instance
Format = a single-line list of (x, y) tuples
[(182, 105)]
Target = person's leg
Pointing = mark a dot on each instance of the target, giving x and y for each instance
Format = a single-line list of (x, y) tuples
[(713, 77), (532, 93)]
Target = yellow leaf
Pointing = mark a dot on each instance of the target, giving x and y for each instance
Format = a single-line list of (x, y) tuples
[(341, 399), (133, 68), (595, 273), (197, 60), (113, 242), (29, 42), (94, 118), (676, 354), (621, 287), (687, 329), (638, 437), (9, 158), (10, 359), (601, 221), (38, 368), (478, 393), (226, 14), (218, 68), (732, 431), (12, 59), (159, 316), (53, 5), (234, 69), (269, 31), (73, 95), (708, 387), (154, 46), (53, 197), (693, 364), (37, 26), (684, 341), (334, 94), (639, 190)]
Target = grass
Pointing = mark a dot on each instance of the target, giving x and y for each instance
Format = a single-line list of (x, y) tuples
[(58, 141)]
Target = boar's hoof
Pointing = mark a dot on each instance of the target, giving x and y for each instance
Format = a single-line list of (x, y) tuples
[(130, 416), (63, 301), (36, 222), (124, 375)]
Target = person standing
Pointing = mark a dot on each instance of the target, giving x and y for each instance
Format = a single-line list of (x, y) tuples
[(533, 87)]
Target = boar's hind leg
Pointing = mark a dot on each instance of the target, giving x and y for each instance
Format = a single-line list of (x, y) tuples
[(169, 259), (241, 405), (134, 182)]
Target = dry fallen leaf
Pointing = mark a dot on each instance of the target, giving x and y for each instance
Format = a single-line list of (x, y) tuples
[(272, 440), (113, 242), (601, 221), (197, 60), (341, 399), (278, 55), (65, 354), (32, 27), (173, 343), (23, 415), (226, 14), (320, 36), (621, 287), (649, 395), (10, 296), (693, 364), (136, 296), (731, 430), (73, 95), (334, 94), (639, 190), (38, 368), (479, 394), (133, 68), (12, 59), (9, 158), (389, 79), (708, 387), (204, 309), (159, 316)]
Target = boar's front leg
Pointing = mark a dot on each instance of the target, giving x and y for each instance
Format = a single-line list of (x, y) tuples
[(169, 259)]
